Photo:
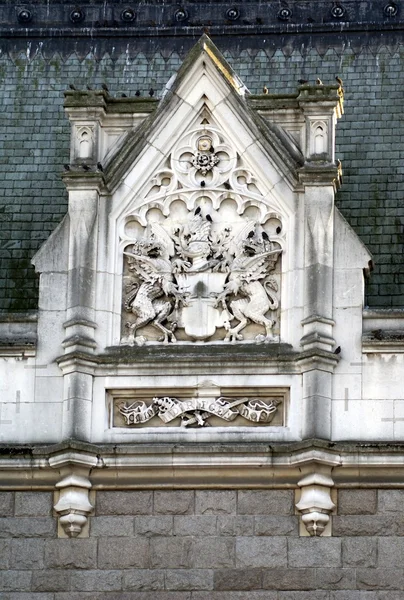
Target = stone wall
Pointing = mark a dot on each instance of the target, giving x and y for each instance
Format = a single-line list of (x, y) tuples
[(203, 545)]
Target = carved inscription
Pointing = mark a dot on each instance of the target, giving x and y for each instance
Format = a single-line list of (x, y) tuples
[(199, 411)]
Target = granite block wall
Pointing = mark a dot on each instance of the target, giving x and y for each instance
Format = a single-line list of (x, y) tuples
[(34, 143), (203, 545)]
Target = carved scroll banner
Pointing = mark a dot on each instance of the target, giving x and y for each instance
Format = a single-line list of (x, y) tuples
[(197, 411)]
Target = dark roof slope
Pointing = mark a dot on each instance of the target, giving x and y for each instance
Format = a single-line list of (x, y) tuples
[(34, 135)]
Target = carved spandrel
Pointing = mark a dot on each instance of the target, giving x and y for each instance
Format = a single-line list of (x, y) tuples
[(196, 412)]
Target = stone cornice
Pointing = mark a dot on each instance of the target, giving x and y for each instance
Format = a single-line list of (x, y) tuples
[(202, 465)]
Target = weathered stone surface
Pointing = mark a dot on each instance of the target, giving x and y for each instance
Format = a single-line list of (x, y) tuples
[(239, 525), (25, 527), (87, 581), (170, 553), (390, 552), (335, 579), (380, 579), (151, 526), (357, 502), (124, 503), (367, 525), (355, 595), (314, 552), (15, 581), (265, 502), (289, 579), (359, 552), (213, 552), (195, 525), (178, 502), (71, 554), (111, 526), (390, 501), (315, 595), (246, 595), (261, 552), (50, 581), (189, 579), (4, 554), (214, 502), (238, 579), (27, 554), (6, 504), (33, 504), (276, 525), (123, 553), (143, 580)]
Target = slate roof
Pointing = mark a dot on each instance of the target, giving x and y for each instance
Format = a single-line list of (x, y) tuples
[(35, 136)]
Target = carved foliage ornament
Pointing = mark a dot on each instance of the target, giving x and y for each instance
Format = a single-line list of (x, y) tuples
[(197, 411), (200, 264)]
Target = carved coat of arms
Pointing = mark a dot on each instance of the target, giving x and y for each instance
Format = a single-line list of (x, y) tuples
[(197, 273)]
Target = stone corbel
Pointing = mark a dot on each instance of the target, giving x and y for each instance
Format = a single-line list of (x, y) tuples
[(73, 504), (315, 504)]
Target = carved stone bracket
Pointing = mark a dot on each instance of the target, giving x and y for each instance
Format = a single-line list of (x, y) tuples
[(73, 504), (315, 503)]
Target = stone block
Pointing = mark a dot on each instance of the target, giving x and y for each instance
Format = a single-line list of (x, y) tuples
[(27, 554), (189, 579), (314, 552), (15, 581), (194, 525), (6, 504), (27, 596), (123, 553), (265, 502), (357, 502), (335, 579), (50, 581), (124, 503), (170, 553), (152, 526), (390, 552), (213, 552), (261, 552), (289, 579), (390, 501), (303, 595), (212, 502), (366, 525), (111, 526), (143, 580), (359, 552), (103, 581), (4, 554), (232, 595), (175, 502), (239, 525), (380, 579), (33, 504), (275, 525), (238, 579), (25, 527), (355, 595), (71, 554)]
